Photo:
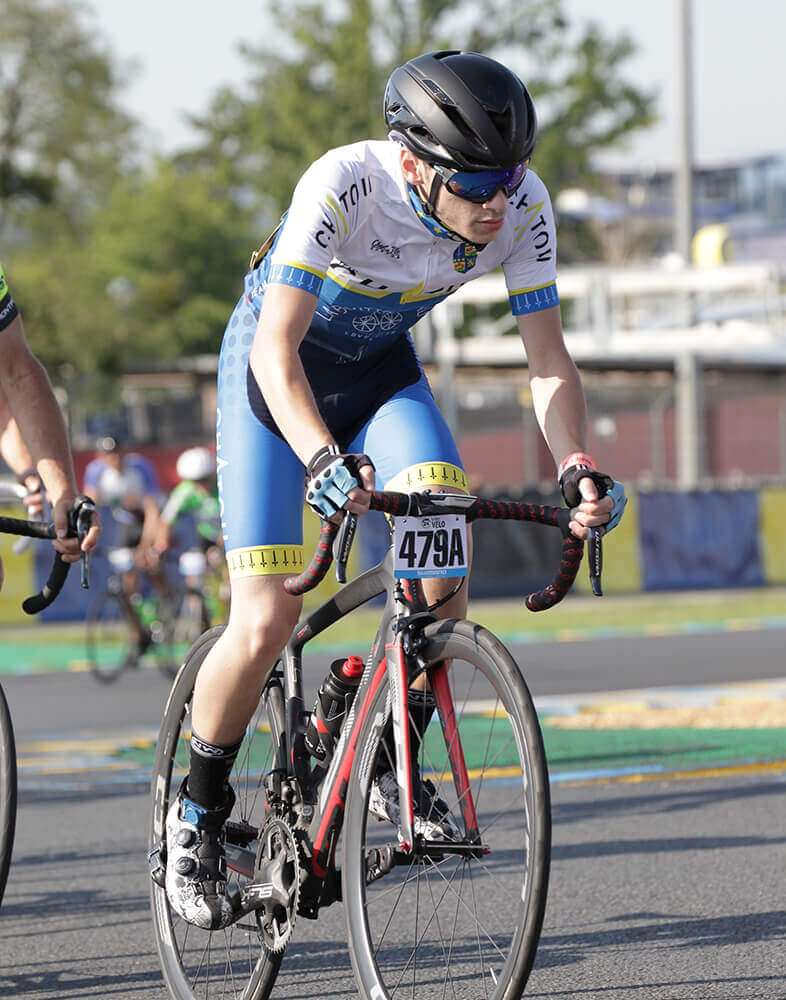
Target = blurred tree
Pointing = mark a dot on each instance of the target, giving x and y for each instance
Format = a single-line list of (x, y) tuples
[(63, 136), (320, 84), (157, 278)]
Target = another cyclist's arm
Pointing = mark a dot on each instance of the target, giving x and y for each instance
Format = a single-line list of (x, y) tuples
[(18, 458), (28, 393), (275, 363), (559, 404)]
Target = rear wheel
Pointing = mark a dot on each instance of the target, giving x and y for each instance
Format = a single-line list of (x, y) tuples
[(234, 962), (111, 644), (7, 791), (458, 923)]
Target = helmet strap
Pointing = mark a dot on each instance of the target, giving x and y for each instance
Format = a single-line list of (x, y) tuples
[(424, 209), (430, 202)]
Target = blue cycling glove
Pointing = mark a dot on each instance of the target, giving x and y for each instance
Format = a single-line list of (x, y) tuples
[(330, 478), (585, 469)]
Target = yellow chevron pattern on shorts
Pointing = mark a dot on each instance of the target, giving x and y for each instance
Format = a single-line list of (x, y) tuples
[(265, 560)]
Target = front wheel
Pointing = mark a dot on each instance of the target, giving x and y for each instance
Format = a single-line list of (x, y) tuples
[(458, 923), (7, 791), (234, 962)]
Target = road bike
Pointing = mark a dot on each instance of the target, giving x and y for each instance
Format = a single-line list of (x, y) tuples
[(123, 628), (32, 606), (448, 917)]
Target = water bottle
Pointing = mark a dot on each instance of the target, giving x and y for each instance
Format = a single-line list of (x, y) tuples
[(332, 705)]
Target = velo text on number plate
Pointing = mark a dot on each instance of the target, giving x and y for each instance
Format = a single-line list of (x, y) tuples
[(433, 545)]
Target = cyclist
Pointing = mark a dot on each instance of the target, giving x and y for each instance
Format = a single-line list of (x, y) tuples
[(318, 371), (195, 496), (33, 437), (126, 483)]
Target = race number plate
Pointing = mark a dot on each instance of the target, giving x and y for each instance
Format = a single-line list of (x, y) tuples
[(430, 546)]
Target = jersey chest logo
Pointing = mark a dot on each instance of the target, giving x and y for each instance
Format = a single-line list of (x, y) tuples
[(465, 257)]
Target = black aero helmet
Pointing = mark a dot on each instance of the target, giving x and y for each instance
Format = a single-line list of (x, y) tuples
[(461, 109)]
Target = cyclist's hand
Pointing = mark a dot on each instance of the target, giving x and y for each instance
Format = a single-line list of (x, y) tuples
[(337, 482), (360, 497), (34, 501), (591, 511), (594, 498), (69, 548)]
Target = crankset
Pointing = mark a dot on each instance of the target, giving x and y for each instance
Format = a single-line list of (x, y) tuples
[(274, 892)]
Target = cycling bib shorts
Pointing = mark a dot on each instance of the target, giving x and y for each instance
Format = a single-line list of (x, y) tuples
[(261, 480)]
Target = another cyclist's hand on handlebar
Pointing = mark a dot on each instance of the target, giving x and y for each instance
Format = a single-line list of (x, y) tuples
[(70, 548)]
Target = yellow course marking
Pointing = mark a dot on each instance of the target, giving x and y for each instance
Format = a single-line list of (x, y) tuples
[(771, 767)]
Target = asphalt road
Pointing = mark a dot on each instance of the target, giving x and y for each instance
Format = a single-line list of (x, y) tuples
[(660, 890), (65, 703)]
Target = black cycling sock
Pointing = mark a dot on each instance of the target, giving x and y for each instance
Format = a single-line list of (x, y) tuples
[(420, 708), (211, 764)]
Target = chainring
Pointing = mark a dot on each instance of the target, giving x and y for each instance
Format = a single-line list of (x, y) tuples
[(279, 871)]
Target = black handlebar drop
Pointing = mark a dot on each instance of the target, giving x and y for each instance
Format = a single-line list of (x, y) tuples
[(79, 524)]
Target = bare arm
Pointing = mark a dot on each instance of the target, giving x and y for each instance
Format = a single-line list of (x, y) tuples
[(275, 363), (32, 404), (559, 404), (557, 393), (12, 445)]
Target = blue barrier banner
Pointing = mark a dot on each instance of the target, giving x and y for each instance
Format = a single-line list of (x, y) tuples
[(700, 540)]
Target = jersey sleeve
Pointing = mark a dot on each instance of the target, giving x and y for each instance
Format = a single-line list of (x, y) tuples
[(326, 207), (8, 309), (177, 503), (531, 268)]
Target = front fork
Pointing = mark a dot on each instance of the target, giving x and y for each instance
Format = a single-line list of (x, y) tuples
[(400, 651)]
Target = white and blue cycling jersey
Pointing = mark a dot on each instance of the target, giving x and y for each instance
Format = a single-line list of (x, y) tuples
[(355, 237)]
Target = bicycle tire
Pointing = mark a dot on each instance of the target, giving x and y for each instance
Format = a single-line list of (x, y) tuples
[(111, 648), (185, 617), (396, 948), (8, 791), (198, 964)]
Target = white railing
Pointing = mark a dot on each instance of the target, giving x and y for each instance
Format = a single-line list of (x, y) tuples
[(730, 313)]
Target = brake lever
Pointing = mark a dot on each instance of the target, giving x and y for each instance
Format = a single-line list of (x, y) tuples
[(342, 546), (595, 559), (83, 519)]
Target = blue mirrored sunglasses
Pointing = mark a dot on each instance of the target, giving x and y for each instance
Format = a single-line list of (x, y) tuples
[(481, 186)]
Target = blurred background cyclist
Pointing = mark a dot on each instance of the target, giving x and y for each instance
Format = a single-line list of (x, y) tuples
[(128, 485), (195, 499)]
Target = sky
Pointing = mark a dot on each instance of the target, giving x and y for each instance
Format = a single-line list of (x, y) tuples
[(183, 52)]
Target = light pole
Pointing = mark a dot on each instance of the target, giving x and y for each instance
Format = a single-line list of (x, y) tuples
[(683, 190)]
